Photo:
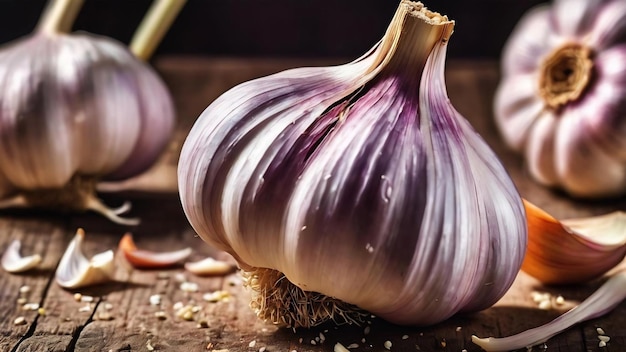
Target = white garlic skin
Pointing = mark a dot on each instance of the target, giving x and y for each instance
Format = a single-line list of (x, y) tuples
[(580, 148), (77, 104), (395, 205)]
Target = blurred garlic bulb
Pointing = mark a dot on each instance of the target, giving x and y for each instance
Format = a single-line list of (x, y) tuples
[(562, 98), (75, 109), (356, 187), (573, 250)]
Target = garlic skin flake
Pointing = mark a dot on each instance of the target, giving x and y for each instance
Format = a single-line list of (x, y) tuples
[(573, 250), (360, 184), (76, 271), (75, 109), (562, 97), (144, 259), (607, 297), (13, 262)]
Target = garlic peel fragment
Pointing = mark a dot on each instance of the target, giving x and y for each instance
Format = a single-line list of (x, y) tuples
[(574, 250), (144, 259), (13, 262), (75, 270), (209, 267), (607, 297)]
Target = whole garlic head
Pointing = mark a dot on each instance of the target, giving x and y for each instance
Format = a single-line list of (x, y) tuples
[(562, 98), (356, 185), (76, 108)]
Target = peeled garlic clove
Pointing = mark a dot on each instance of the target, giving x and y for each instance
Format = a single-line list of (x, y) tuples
[(13, 262), (75, 270), (147, 259), (574, 250), (76, 108), (562, 95), (209, 267), (607, 297), (356, 188)]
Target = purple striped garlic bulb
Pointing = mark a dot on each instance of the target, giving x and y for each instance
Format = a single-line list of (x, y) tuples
[(356, 188), (562, 98), (75, 109)]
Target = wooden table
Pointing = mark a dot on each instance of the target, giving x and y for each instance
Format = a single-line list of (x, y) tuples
[(69, 325)]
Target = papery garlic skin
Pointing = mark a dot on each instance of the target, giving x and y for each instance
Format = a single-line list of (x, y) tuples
[(605, 299), (76, 271), (13, 262), (577, 144), (360, 182)]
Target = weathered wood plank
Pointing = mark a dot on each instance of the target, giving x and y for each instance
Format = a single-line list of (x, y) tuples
[(231, 324), (41, 235)]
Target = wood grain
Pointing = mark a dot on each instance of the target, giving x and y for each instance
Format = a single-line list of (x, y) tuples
[(67, 326)]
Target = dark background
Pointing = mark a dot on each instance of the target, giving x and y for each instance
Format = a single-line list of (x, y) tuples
[(280, 28)]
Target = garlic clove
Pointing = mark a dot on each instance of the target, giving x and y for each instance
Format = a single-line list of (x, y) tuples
[(518, 120), (574, 250), (571, 17), (209, 267), (610, 25), (539, 145), (13, 262), (607, 297), (147, 259), (75, 270)]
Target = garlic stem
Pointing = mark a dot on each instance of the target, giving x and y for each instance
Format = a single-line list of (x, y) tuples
[(153, 27), (59, 16), (600, 302)]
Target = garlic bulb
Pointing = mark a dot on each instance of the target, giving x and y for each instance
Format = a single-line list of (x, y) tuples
[(573, 250), (75, 109), (562, 97), (356, 186)]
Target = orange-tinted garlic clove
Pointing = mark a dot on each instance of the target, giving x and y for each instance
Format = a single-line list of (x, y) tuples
[(143, 259), (574, 250)]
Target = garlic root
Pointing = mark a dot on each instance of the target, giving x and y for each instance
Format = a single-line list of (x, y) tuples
[(276, 299), (112, 214), (77, 195), (600, 302)]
